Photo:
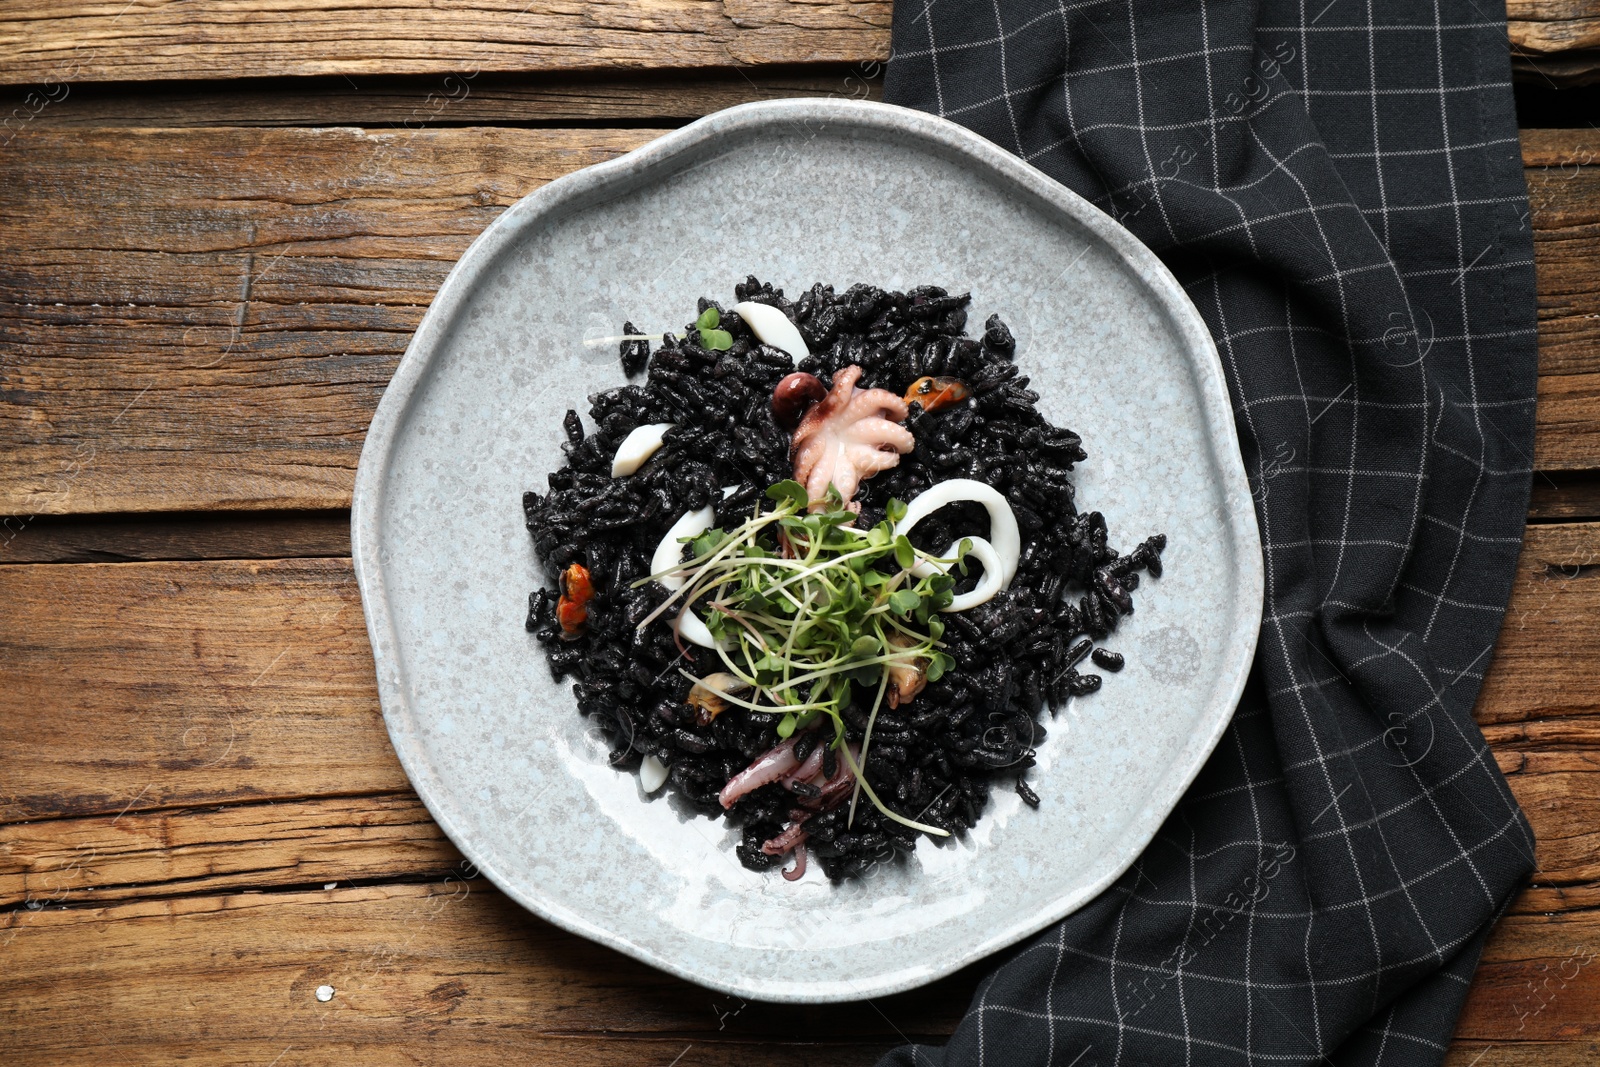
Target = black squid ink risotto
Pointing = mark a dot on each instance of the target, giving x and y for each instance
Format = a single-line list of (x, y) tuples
[(820, 571)]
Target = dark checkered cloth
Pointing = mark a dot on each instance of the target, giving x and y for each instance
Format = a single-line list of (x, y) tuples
[(1338, 186)]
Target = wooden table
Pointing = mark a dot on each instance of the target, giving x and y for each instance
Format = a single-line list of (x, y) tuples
[(219, 224)]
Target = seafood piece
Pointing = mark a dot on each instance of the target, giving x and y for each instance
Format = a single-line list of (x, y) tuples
[(637, 447), (772, 327), (847, 436)]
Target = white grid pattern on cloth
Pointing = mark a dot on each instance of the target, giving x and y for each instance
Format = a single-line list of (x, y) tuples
[(1351, 221)]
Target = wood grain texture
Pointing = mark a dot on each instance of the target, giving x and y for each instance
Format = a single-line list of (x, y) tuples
[(1564, 204), (430, 1040), (81, 41), (205, 319), (55, 41), (413, 964), (1553, 767), (140, 855), (1564, 70), (149, 685), (1564, 496), (210, 283), (1539, 980), (216, 682), (406, 962), (1550, 27), (1546, 665), (1511, 1053)]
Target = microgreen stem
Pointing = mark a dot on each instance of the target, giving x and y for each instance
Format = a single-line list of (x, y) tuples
[(866, 741), (594, 341), (768, 708), (861, 780), (745, 534), (810, 606)]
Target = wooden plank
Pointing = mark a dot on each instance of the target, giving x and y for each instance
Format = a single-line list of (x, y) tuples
[(1557, 495), (615, 97), (1550, 27), (603, 1050), (1513, 1053), (217, 281), (142, 538), (150, 685), (405, 962), (1539, 981), (1564, 201), (1568, 432), (227, 681), (140, 855), (1564, 205), (1565, 70), (1553, 767), (1547, 663), (1565, 495), (57, 41), (205, 319), (1554, 771), (81, 41)]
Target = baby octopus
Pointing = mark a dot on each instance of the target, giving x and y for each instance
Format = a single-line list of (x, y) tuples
[(847, 436)]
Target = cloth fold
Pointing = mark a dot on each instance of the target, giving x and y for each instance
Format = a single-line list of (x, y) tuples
[(1339, 188)]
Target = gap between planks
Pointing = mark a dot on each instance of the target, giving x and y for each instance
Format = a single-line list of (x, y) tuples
[(1557, 497), (612, 98)]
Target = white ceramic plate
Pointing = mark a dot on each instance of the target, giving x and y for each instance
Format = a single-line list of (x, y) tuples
[(794, 192)]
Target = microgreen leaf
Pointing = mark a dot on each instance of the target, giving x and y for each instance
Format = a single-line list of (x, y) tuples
[(895, 511), (716, 340), (867, 675), (709, 319), (904, 601), (791, 491), (801, 615), (904, 554), (708, 542)]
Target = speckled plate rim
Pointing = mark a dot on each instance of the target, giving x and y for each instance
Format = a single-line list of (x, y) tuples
[(603, 181)]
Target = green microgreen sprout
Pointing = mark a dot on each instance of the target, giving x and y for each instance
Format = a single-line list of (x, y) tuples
[(710, 336), (806, 606), (708, 325)]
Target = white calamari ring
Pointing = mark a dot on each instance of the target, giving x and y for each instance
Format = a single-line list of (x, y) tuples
[(669, 553), (987, 586), (999, 554), (772, 327), (652, 774), (637, 447), (692, 630)]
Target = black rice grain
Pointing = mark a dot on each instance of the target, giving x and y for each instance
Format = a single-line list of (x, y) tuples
[(1108, 660)]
